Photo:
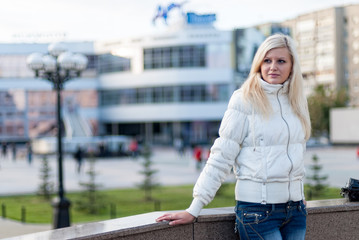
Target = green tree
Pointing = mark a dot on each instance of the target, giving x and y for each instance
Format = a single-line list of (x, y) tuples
[(46, 187), (148, 183), (320, 103), (317, 184), (91, 200)]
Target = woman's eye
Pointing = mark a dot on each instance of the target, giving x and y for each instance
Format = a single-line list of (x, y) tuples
[(266, 61), (281, 61)]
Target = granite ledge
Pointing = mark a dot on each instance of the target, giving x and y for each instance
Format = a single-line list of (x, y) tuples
[(332, 205), (144, 224)]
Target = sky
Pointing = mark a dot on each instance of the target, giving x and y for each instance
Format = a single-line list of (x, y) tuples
[(94, 20)]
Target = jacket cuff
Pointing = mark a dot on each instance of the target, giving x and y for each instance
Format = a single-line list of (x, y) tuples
[(195, 208)]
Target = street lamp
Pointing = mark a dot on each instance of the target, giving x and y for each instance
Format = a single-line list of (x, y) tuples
[(58, 67)]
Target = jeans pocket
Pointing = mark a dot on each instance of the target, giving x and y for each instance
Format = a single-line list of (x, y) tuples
[(250, 222), (254, 217), (303, 208), (249, 213)]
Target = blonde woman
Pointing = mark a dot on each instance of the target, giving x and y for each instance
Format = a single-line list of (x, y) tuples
[(263, 137)]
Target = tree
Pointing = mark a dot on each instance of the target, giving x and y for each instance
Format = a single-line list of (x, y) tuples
[(317, 183), (320, 103), (91, 201), (46, 188), (148, 183)]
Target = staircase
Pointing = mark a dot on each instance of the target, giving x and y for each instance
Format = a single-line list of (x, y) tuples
[(76, 125)]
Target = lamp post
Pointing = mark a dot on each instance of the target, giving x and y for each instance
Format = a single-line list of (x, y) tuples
[(58, 67)]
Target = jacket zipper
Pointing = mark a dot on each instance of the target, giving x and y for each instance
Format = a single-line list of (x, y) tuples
[(286, 123)]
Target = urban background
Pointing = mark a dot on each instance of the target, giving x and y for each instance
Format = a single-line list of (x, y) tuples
[(170, 90), (174, 85)]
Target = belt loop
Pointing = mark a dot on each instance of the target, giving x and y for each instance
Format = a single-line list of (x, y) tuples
[(273, 207)]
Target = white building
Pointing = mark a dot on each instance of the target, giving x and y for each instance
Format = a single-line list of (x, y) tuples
[(178, 85), (27, 104), (157, 88)]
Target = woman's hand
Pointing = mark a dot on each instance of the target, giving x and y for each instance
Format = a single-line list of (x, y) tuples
[(176, 218)]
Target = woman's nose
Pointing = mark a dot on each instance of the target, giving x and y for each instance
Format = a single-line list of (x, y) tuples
[(273, 66)]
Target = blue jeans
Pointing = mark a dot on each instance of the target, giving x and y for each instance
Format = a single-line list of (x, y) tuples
[(271, 221)]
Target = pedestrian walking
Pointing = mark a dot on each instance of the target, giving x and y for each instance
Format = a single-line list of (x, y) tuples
[(134, 148), (197, 153), (178, 144), (4, 150), (79, 154), (263, 137), (29, 152), (14, 150)]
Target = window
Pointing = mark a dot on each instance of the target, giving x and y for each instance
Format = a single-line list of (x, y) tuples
[(158, 95), (144, 95), (185, 94), (174, 57), (127, 96), (167, 94), (110, 63)]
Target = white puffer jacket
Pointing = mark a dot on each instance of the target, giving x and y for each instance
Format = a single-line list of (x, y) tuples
[(266, 153)]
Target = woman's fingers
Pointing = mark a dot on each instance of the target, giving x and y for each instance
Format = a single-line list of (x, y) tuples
[(165, 217), (176, 218)]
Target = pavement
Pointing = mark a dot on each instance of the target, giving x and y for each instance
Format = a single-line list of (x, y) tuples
[(20, 177)]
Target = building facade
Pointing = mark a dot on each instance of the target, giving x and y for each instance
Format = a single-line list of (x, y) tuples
[(179, 81), (328, 48), (172, 85), (320, 43), (178, 85), (352, 48), (28, 104)]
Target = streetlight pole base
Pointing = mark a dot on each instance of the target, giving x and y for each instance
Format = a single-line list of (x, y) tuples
[(61, 212)]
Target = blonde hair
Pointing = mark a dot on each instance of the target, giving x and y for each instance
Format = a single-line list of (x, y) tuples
[(254, 93)]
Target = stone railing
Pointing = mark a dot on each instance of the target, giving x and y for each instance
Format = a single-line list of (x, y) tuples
[(327, 219)]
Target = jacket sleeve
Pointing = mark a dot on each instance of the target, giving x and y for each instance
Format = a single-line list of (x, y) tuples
[(233, 129)]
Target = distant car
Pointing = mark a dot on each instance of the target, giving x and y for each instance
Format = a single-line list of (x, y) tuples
[(104, 146)]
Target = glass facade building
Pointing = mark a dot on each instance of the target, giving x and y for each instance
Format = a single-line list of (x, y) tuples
[(157, 88), (28, 105), (178, 86), (175, 84)]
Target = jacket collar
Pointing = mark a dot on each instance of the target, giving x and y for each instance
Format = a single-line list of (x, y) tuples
[(273, 88)]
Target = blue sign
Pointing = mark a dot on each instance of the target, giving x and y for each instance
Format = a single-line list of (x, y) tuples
[(162, 11), (192, 18), (204, 19)]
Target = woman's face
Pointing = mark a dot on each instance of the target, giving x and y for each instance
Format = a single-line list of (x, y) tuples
[(276, 66)]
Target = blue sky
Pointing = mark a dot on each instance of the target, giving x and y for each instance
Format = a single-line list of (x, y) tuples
[(26, 20)]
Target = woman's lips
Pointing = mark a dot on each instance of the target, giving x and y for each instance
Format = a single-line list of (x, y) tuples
[(274, 75)]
